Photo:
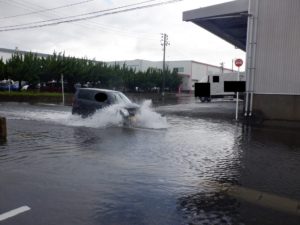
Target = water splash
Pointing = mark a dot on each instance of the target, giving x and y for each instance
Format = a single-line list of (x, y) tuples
[(148, 118), (107, 117), (103, 118)]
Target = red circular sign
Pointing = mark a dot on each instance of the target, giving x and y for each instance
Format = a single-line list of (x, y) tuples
[(238, 62)]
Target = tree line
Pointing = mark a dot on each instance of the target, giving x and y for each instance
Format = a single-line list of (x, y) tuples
[(35, 70)]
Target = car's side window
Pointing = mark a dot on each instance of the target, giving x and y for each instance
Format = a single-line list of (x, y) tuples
[(100, 97), (113, 98), (83, 94)]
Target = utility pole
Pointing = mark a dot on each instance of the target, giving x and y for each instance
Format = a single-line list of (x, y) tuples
[(164, 42), (222, 67), (62, 89)]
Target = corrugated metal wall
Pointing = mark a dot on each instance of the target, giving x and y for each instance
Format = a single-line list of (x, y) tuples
[(278, 47)]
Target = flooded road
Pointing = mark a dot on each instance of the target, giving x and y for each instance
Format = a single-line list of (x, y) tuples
[(169, 170)]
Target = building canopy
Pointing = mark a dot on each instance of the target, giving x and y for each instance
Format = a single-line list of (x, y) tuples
[(227, 20)]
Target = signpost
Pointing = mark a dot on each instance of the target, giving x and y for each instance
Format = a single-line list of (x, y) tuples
[(238, 63), (62, 89)]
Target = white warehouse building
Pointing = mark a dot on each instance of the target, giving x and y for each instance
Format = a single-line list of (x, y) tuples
[(191, 71), (6, 53), (269, 32)]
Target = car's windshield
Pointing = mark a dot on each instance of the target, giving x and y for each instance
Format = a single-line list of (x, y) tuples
[(121, 98)]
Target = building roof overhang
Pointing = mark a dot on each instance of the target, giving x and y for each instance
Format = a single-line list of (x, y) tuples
[(227, 20)]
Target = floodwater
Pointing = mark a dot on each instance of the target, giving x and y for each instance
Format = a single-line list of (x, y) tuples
[(166, 171)]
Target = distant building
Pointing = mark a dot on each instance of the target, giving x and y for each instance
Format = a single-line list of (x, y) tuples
[(191, 71), (6, 53), (269, 32)]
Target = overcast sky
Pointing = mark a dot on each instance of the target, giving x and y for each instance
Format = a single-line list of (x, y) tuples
[(123, 36)]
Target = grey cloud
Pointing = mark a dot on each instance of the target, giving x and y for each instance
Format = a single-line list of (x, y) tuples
[(128, 35)]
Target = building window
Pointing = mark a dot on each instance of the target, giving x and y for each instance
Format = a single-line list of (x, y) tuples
[(216, 79), (179, 69)]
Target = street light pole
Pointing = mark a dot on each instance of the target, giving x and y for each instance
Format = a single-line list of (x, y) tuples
[(9, 81), (62, 89), (237, 99)]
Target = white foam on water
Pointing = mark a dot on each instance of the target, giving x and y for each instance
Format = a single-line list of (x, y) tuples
[(148, 118), (107, 117)]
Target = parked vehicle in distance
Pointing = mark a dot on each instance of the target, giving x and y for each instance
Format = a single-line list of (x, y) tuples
[(214, 86), (7, 87), (53, 86), (88, 100)]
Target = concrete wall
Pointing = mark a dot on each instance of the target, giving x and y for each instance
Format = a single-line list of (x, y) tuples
[(277, 107)]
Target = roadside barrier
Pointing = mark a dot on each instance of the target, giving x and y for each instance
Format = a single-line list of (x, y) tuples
[(3, 131)]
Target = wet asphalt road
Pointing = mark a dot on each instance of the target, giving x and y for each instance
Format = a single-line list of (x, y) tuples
[(71, 171)]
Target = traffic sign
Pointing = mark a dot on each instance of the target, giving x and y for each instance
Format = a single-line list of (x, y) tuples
[(238, 62)]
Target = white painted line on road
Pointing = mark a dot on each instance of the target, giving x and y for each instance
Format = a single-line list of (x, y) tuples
[(264, 199), (13, 212)]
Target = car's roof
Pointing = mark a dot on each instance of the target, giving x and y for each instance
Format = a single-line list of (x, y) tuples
[(98, 89)]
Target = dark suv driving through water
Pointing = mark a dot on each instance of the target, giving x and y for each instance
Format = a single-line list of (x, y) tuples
[(88, 100)]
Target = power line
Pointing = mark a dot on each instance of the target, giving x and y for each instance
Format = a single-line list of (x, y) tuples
[(20, 5), (37, 25), (96, 25), (114, 30), (47, 10), (26, 5), (79, 15), (91, 25), (85, 24), (49, 15)]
